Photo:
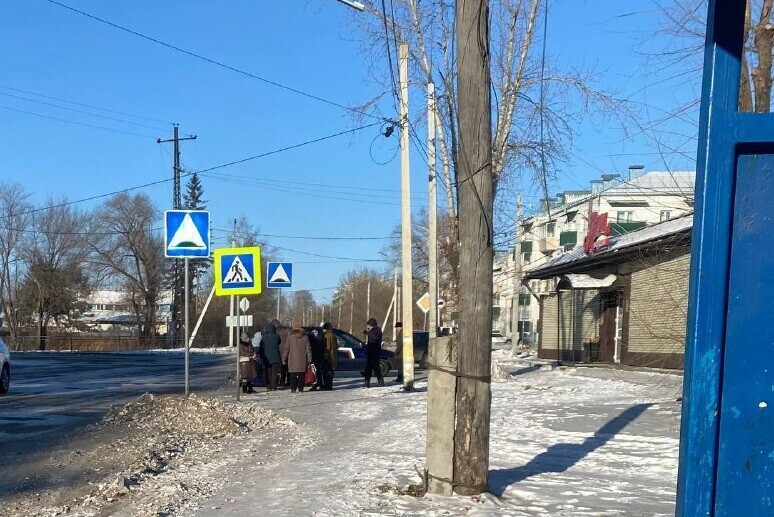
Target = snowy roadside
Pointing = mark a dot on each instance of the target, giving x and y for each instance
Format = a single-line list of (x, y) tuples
[(562, 443)]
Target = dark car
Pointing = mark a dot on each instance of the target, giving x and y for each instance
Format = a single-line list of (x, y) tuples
[(352, 351), (421, 344)]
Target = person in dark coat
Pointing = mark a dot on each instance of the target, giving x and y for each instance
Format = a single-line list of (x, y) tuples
[(247, 370), (270, 350), (318, 359), (373, 348), (399, 350), (297, 355), (331, 354), (282, 332)]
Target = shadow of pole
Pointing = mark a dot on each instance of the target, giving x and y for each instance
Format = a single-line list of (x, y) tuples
[(562, 456)]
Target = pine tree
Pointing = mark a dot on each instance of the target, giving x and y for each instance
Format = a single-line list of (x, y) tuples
[(192, 200)]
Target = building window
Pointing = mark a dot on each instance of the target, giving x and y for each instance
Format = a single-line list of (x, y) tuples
[(665, 215), (549, 229), (524, 299), (568, 239), (526, 257), (625, 216)]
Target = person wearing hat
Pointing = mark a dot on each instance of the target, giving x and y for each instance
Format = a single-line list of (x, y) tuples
[(247, 370), (373, 348), (399, 349)]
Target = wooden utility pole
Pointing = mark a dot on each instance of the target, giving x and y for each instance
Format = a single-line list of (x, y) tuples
[(475, 191), (432, 223), (405, 188)]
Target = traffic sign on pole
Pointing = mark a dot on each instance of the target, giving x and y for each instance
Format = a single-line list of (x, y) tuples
[(279, 274), (238, 271), (186, 233)]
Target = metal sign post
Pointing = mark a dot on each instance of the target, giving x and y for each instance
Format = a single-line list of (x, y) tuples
[(187, 344), (239, 382), (237, 272), (186, 236)]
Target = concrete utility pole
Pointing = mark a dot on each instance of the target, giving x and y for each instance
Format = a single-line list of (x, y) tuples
[(176, 205), (368, 301), (515, 308), (408, 322), (432, 223), (475, 188), (396, 308)]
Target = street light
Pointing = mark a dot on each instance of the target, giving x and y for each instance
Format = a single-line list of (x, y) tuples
[(354, 4)]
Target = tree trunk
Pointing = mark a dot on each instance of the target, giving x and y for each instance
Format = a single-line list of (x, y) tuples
[(475, 192), (761, 74)]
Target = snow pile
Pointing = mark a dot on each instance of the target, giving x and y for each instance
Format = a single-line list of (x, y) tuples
[(153, 456)]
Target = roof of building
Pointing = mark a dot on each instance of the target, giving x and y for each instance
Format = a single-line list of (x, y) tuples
[(679, 183), (657, 182), (578, 258)]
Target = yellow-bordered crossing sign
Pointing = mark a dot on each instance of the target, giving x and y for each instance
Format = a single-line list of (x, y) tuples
[(238, 271)]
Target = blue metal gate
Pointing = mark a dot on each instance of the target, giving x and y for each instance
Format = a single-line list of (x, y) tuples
[(727, 433)]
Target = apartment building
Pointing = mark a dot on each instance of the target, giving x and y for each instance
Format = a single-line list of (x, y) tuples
[(637, 201)]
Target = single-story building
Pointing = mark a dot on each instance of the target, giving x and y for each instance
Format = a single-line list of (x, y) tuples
[(624, 301)]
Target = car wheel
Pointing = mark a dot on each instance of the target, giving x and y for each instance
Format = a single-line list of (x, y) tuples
[(5, 379), (384, 367)]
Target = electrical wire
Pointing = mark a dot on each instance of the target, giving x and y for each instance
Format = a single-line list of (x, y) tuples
[(188, 173), (91, 106), (107, 117), (216, 62), (103, 128)]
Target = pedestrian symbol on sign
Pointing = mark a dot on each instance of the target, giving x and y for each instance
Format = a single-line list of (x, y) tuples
[(237, 273)]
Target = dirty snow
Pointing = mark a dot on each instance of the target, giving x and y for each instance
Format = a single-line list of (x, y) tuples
[(564, 441)]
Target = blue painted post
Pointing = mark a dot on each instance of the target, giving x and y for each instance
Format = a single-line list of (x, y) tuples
[(727, 434)]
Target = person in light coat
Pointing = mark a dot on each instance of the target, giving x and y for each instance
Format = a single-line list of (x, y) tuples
[(297, 356)]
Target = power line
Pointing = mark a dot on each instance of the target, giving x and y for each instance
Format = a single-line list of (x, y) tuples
[(103, 128), (159, 182), (215, 62), (269, 153), (91, 106), (107, 117)]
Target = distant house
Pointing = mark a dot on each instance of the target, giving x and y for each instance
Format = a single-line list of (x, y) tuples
[(625, 302), (110, 310)]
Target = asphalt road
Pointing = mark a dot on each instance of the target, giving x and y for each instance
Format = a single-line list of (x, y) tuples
[(54, 393)]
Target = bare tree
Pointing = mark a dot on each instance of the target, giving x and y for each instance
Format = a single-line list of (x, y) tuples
[(126, 247), (55, 254), (353, 289), (685, 31), (14, 222)]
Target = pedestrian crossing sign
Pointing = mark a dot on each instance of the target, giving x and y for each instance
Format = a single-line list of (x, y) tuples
[(186, 233), (237, 271)]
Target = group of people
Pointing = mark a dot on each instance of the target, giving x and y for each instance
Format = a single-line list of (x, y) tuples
[(282, 357)]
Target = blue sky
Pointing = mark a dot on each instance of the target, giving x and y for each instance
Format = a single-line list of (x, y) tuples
[(309, 45)]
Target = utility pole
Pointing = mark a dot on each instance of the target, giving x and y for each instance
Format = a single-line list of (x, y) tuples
[(351, 308), (405, 182), (432, 223), (176, 205), (339, 318), (368, 301), (515, 308), (475, 188), (396, 303)]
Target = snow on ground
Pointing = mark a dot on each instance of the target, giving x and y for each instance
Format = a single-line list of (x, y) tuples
[(574, 442)]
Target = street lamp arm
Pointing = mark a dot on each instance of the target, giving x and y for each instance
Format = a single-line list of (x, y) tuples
[(354, 4)]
